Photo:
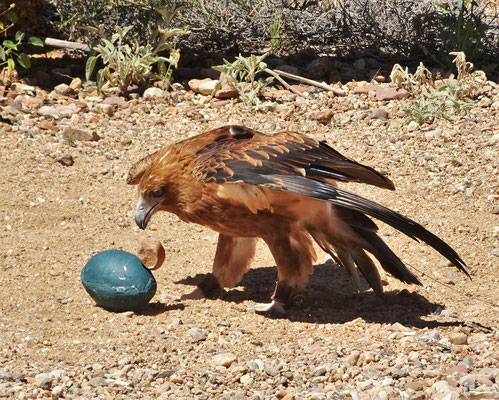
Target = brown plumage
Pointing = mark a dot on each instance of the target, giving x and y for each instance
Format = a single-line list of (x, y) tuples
[(280, 188)]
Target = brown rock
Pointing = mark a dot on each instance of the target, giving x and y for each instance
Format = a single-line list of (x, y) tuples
[(415, 385), (379, 113), (365, 89), (68, 109), (208, 87), (385, 94), (29, 101), (79, 134), (153, 93), (120, 102), (352, 359), (226, 93), (458, 338), (162, 85), (301, 88), (279, 94), (48, 125), (66, 160), (104, 108), (379, 78), (217, 103), (322, 117), (63, 90), (457, 370), (75, 85)]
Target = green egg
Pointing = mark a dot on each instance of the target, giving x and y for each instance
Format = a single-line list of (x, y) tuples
[(118, 281)]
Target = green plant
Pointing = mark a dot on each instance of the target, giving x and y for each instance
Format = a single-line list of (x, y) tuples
[(70, 140), (437, 104), (241, 76), (276, 32), (466, 29), (131, 63), (11, 50)]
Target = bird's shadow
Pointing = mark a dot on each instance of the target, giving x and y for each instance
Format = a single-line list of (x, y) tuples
[(330, 298)]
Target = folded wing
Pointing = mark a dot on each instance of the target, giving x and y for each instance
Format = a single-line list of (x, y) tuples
[(297, 164)]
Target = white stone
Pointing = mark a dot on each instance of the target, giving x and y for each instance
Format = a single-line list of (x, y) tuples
[(153, 93), (208, 87), (412, 126), (224, 359), (56, 392), (246, 379)]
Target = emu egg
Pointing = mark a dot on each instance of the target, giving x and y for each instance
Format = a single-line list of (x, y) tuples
[(118, 281)]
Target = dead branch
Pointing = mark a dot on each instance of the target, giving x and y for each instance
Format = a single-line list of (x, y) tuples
[(284, 83), (321, 85), (64, 44)]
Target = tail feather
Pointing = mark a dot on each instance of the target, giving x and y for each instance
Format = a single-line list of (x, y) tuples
[(387, 258), (368, 269), (347, 262), (336, 196)]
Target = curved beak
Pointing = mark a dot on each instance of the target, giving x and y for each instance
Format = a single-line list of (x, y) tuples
[(145, 209)]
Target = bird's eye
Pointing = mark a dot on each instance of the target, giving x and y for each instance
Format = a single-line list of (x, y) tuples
[(158, 192)]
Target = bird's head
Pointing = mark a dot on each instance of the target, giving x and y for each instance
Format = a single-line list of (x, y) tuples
[(154, 188)]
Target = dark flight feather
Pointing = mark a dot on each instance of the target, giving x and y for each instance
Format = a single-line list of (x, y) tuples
[(318, 190)]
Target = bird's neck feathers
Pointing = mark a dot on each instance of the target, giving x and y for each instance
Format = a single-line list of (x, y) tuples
[(170, 169)]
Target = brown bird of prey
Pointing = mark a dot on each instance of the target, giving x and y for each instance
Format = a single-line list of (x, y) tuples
[(281, 188)]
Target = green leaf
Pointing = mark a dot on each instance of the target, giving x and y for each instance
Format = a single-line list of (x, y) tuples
[(2, 53), (24, 61), (11, 64), (19, 36), (89, 67), (35, 41), (10, 44), (100, 79), (12, 16)]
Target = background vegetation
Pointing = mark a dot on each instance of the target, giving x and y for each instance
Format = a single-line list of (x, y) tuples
[(399, 29)]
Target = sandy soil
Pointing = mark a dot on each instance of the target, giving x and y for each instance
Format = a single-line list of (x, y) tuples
[(55, 217)]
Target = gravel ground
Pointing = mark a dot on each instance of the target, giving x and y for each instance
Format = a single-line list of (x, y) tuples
[(62, 200)]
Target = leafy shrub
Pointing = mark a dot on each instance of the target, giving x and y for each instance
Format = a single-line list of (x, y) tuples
[(437, 104), (11, 50), (395, 28), (131, 63), (241, 75), (433, 103)]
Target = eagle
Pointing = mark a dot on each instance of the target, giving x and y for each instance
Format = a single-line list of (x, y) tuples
[(281, 188)]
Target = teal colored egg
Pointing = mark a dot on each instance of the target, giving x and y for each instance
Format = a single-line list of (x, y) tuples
[(118, 281)]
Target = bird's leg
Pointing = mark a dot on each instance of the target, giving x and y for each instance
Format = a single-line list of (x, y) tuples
[(206, 288), (294, 253), (232, 260), (284, 295), (279, 299)]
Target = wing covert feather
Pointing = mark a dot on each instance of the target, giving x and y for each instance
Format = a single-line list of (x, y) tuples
[(237, 151)]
